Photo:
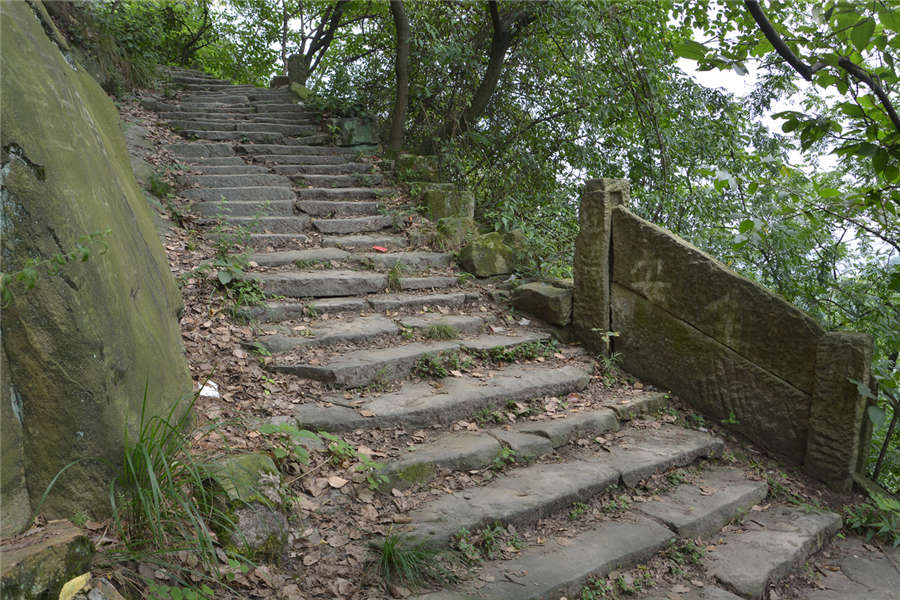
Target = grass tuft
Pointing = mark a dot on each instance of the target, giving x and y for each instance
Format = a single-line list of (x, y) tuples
[(403, 559), (441, 331)]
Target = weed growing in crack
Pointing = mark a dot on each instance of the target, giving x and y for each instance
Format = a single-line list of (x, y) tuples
[(441, 331), (682, 553), (505, 456), (578, 509), (527, 351)]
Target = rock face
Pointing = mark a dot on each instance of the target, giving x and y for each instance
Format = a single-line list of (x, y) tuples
[(441, 203), (454, 232), (487, 255), (83, 343), (355, 131), (545, 301)]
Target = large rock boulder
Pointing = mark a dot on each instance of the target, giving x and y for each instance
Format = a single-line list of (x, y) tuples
[(547, 302), (353, 131), (92, 334), (454, 232), (440, 203), (487, 255)]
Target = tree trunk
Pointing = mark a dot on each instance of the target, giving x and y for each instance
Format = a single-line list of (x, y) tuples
[(401, 66)]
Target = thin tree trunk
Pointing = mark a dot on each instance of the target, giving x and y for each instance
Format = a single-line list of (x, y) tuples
[(401, 66)]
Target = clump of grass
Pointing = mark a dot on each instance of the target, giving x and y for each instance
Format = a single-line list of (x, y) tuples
[(431, 365), (159, 501), (394, 274), (441, 331), (527, 351), (403, 559), (158, 186)]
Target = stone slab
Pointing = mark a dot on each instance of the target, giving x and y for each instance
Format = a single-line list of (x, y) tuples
[(545, 301), (455, 451), (708, 592), (421, 404), (326, 333), (863, 571), (701, 509), (427, 283), (694, 287), (287, 257), (321, 283), (522, 496), (639, 404), (241, 194), (525, 445), (771, 545), (364, 241), (327, 208), (417, 261), (350, 225), (394, 302), (664, 350), (239, 208), (238, 181), (559, 431), (489, 342), (460, 323)]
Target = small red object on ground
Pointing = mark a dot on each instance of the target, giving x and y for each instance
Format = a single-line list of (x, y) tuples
[(380, 248)]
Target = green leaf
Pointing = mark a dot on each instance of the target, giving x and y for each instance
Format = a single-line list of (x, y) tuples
[(690, 49), (746, 226), (890, 19), (879, 160), (862, 33), (225, 276), (829, 193), (279, 452), (739, 68), (852, 110), (876, 416)]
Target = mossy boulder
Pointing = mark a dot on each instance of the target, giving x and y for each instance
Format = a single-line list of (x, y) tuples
[(246, 490), (37, 565), (92, 335), (302, 92), (454, 232), (487, 255), (547, 302), (440, 203), (415, 167)]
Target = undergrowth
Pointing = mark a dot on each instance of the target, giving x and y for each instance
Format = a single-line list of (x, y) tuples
[(401, 559)]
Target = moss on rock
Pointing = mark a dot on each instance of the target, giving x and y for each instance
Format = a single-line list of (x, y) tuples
[(487, 255)]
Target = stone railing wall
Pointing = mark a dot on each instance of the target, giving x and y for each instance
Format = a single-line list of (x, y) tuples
[(729, 347)]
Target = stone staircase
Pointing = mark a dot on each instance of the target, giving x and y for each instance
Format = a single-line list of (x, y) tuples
[(317, 211)]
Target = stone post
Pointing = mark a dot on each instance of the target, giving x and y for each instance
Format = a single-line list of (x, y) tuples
[(593, 267), (837, 412), (296, 66)]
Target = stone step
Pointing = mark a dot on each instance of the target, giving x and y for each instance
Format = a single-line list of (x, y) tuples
[(361, 193), (304, 159), (261, 150), (169, 112), (531, 493), (327, 333), (200, 150), (562, 567), (767, 546), (323, 284), (285, 108), (461, 324), (354, 242), (334, 169), (362, 367), (270, 224), (340, 181), (472, 450), (235, 114), (413, 261), (273, 208), (420, 404), (236, 136), (239, 194), (331, 208), (398, 302), (350, 225), (273, 310), (240, 168), (207, 86), (198, 79), (242, 125), (213, 104), (237, 181), (215, 161), (263, 240)]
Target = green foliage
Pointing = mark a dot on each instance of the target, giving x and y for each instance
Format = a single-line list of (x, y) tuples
[(683, 553), (430, 365), (27, 277), (506, 456), (596, 589), (441, 332), (156, 591), (527, 351), (877, 517), (401, 559), (578, 509)]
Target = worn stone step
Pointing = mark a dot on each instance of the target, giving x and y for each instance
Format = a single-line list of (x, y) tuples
[(239, 194), (273, 208), (707, 592), (340, 181), (306, 284), (302, 258), (397, 302), (461, 324), (237, 181), (362, 367), (354, 242), (284, 108), (528, 494), (346, 168), (242, 125), (350, 225), (270, 224), (428, 282), (200, 150), (281, 240), (362, 193), (303, 159), (331, 208), (174, 113), (562, 567), (768, 546), (413, 261), (214, 161), (298, 149), (213, 104), (236, 136), (351, 331), (420, 404), (228, 169)]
